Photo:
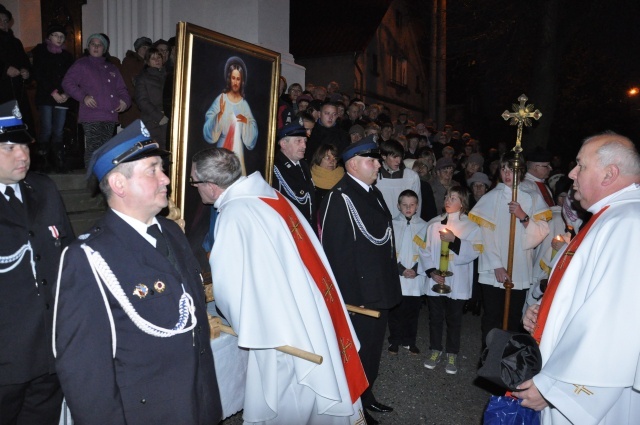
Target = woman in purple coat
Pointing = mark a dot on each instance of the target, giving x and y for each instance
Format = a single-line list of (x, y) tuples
[(99, 88)]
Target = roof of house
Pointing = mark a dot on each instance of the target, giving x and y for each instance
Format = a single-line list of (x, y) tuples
[(332, 27)]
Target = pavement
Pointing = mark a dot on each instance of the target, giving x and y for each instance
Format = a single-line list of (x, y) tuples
[(421, 396)]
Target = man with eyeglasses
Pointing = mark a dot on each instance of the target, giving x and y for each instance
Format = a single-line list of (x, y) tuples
[(130, 330), (291, 173), (538, 170)]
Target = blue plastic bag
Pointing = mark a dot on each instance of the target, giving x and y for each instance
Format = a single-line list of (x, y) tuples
[(505, 410)]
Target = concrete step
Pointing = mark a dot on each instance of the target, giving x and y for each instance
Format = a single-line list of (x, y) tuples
[(83, 221), (79, 200), (75, 180)]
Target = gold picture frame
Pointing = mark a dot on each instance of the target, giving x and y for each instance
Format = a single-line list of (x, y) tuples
[(204, 62)]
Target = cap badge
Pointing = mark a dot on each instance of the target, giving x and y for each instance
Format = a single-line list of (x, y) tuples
[(16, 112), (144, 130)]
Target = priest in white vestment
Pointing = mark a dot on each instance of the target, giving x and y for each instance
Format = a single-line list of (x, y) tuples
[(588, 321), (266, 286)]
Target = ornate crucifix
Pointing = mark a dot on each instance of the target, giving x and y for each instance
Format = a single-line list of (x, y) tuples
[(522, 114)]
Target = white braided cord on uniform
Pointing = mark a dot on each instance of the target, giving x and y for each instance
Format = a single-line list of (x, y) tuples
[(16, 258), (301, 200), (353, 213), (186, 309)]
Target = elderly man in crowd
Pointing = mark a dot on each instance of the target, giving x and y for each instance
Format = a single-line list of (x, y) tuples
[(588, 318), (274, 285)]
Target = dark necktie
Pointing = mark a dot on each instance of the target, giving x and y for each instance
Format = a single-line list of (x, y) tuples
[(161, 243), (13, 200)]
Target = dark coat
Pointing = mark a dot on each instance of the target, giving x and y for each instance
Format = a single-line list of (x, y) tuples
[(11, 54), (320, 135), (26, 304), (299, 181), (149, 86), (132, 66), (48, 71), (150, 380), (367, 274)]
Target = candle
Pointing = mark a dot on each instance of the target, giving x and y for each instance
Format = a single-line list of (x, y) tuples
[(444, 255), (553, 250)]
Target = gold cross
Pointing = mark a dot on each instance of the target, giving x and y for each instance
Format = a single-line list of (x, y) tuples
[(361, 420), (582, 389), (344, 347), (329, 288), (521, 114), (294, 227)]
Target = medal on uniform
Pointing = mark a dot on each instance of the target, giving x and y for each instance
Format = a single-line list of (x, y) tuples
[(159, 286), (141, 290)]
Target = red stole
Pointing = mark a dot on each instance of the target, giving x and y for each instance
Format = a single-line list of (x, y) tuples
[(356, 378), (556, 276), (545, 193)]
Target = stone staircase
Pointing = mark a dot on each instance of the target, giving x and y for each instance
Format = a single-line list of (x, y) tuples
[(83, 209)]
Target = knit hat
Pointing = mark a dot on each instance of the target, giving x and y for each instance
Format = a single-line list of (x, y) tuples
[(476, 158), (142, 41), (54, 27), (444, 163), (479, 177), (100, 38)]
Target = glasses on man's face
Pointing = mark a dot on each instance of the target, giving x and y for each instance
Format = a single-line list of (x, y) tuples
[(543, 165), (195, 183)]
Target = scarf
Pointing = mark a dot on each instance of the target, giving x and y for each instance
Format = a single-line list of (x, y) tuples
[(325, 179), (52, 48)]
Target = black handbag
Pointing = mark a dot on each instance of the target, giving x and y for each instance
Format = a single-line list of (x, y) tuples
[(510, 358)]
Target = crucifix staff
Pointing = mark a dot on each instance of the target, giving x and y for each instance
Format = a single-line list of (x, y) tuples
[(521, 116)]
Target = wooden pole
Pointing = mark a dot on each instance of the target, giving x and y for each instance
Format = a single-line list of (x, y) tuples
[(312, 357), (508, 285), (365, 311)]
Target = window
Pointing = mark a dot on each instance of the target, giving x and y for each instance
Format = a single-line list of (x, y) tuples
[(398, 71)]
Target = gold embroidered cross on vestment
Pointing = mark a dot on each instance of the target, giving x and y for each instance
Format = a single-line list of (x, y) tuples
[(582, 389), (294, 227)]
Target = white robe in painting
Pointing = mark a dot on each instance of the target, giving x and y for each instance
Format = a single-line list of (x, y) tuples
[(460, 264), (410, 237), (242, 135), (263, 288), (590, 345), (492, 214)]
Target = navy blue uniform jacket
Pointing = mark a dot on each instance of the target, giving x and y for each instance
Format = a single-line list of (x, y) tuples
[(26, 304), (151, 380)]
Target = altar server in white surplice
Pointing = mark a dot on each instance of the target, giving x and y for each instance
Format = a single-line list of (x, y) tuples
[(493, 213), (588, 321), (273, 283)]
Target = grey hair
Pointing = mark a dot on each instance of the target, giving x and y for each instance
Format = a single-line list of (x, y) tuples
[(617, 150), (218, 166), (126, 169)]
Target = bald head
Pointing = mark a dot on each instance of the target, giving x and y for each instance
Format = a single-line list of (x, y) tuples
[(606, 164)]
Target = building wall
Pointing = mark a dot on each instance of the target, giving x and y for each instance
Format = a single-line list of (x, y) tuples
[(407, 87), (26, 21), (261, 22), (321, 71)]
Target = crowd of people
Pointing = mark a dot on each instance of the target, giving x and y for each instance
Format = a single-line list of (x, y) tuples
[(107, 92), (367, 214)]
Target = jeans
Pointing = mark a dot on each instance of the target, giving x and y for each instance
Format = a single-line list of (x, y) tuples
[(51, 124)]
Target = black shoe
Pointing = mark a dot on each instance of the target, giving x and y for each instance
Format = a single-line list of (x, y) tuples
[(477, 308), (369, 419), (379, 407), (393, 348), (466, 307), (414, 350)]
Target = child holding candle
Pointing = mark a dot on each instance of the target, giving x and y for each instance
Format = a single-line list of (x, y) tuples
[(409, 230), (463, 238)]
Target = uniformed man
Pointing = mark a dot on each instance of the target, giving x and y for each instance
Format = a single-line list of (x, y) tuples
[(34, 228), (291, 174), (357, 236), (131, 336)]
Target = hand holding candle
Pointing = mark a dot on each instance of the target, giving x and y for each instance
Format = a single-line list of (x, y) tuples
[(556, 245)]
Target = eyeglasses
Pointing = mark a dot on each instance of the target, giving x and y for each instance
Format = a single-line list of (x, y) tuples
[(329, 157), (4, 21), (58, 36), (543, 166), (195, 183)]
